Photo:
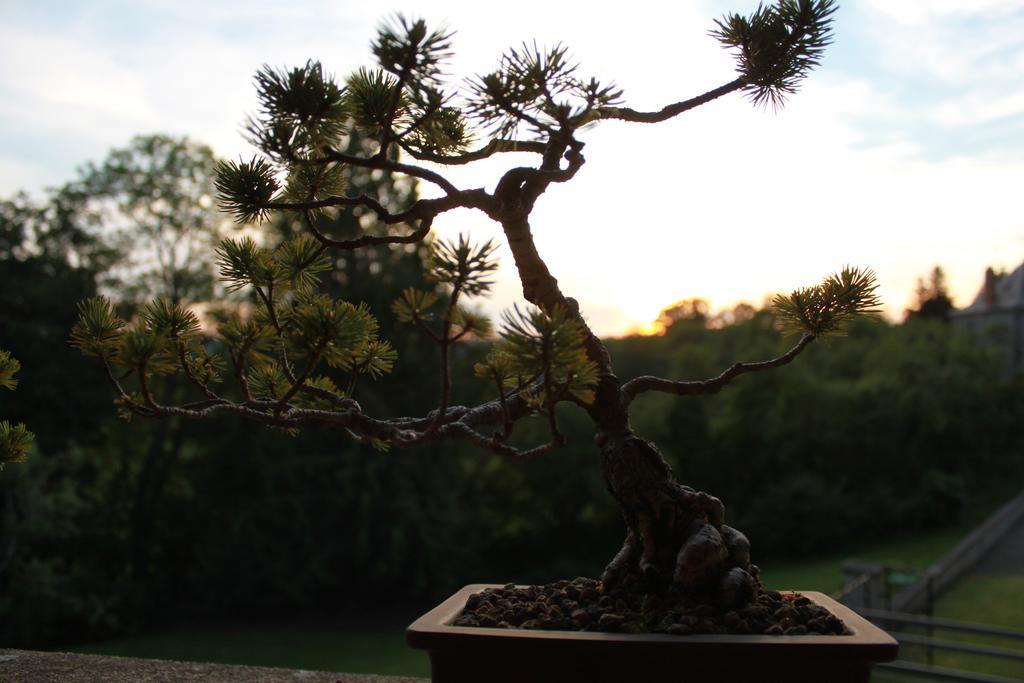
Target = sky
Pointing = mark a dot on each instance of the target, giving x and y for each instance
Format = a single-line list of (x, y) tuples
[(904, 150)]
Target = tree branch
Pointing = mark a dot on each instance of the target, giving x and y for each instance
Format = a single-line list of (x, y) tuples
[(462, 431), (299, 381), (416, 235), (205, 388), (423, 210), (446, 379), (495, 146), (627, 114), (384, 164), (645, 383)]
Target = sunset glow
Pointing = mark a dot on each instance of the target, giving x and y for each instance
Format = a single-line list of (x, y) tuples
[(647, 329)]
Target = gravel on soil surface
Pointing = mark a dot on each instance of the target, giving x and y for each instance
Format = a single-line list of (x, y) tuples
[(581, 605)]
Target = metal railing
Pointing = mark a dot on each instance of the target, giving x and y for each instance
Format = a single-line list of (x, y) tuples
[(884, 617), (920, 594), (928, 670)]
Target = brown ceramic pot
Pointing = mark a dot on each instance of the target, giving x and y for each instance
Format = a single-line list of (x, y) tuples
[(498, 655)]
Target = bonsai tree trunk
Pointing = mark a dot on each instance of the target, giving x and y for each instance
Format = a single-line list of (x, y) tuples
[(675, 535)]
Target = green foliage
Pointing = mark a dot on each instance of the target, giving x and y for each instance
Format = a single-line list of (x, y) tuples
[(547, 346), (246, 187), (443, 131), (39, 240), (375, 101), (98, 330), (464, 266), (247, 339), (15, 442), (320, 383), (9, 367), (303, 260), (375, 358), (242, 263), (334, 330), (163, 317), (307, 182), (778, 45), (146, 351), (301, 111), (267, 380), (539, 88), (15, 439), (472, 322), (413, 305), (500, 366), (411, 52), (207, 368), (296, 264), (415, 56), (827, 308), (151, 346)]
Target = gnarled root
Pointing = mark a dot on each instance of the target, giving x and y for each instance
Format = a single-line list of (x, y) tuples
[(675, 535)]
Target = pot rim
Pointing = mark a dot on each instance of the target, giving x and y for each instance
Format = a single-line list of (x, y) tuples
[(433, 631)]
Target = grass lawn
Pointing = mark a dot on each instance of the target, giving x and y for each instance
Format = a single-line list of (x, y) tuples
[(996, 600), (985, 598), (825, 574)]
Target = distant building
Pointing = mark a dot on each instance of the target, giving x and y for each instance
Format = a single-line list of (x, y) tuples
[(997, 314)]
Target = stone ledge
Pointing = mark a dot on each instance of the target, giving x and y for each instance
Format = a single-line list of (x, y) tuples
[(67, 667)]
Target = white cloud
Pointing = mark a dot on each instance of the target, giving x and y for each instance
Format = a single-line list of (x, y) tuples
[(58, 83), (920, 12), (969, 44), (977, 109), (17, 173)]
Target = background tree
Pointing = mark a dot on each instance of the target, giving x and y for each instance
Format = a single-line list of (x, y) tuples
[(294, 355), (57, 540), (692, 310), (154, 202), (932, 299)]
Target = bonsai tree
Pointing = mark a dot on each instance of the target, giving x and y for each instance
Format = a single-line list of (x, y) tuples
[(289, 358)]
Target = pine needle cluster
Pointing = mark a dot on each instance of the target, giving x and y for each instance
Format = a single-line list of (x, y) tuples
[(461, 269), (777, 46), (539, 88), (543, 350), (826, 308), (15, 439)]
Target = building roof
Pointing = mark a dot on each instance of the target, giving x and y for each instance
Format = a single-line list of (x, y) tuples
[(999, 292)]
